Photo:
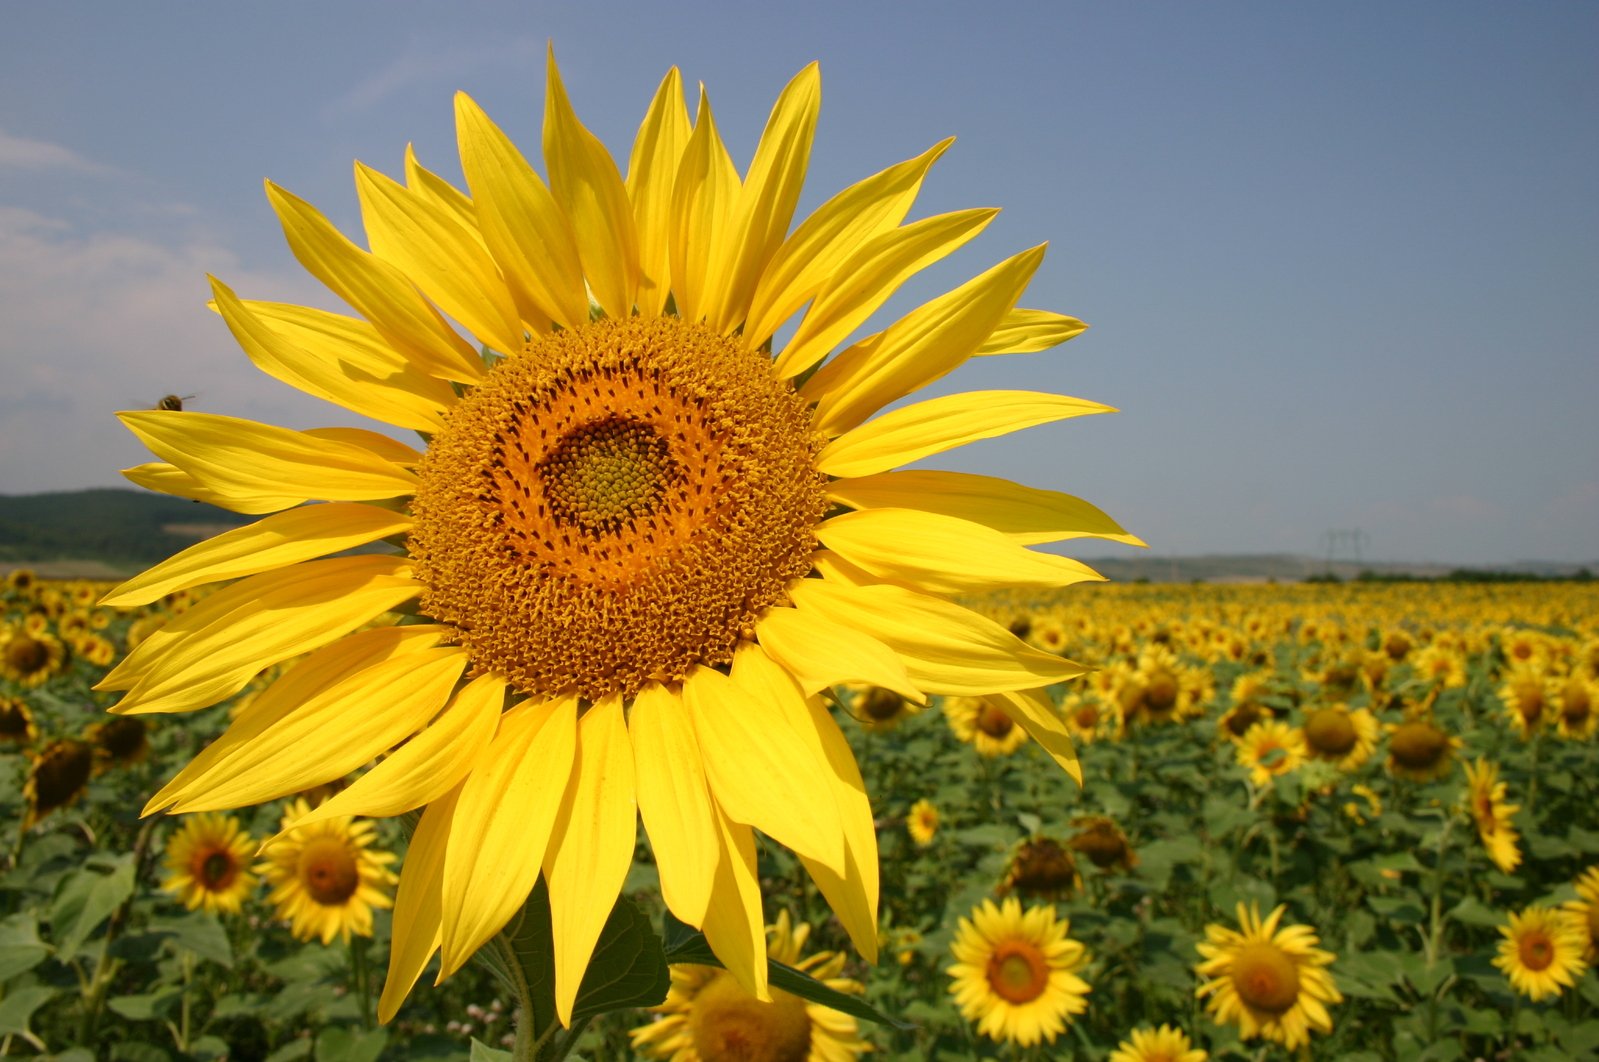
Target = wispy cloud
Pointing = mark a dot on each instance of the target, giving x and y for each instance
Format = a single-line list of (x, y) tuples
[(22, 153), (424, 62)]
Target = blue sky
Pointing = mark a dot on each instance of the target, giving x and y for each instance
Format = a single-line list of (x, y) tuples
[(1341, 261)]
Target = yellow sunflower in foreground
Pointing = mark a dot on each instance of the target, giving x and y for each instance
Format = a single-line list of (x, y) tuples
[(1542, 951), (1016, 973), (325, 875), (1270, 981), (1164, 1044), (1492, 813), (208, 861), (641, 536), (709, 1017)]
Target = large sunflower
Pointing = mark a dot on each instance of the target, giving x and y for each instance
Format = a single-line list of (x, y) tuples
[(709, 1017), (640, 538), (1542, 953), (1016, 973), (1270, 981), (208, 863)]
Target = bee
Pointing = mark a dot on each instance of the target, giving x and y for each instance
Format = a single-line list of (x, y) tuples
[(173, 402)]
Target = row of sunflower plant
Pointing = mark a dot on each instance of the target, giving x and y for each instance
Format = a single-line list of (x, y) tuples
[(1332, 822)]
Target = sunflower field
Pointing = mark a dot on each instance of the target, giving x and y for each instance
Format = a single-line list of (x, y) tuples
[(1320, 821)]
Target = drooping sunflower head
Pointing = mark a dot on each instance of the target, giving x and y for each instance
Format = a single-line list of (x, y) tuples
[(1165, 1044), (1542, 951), (326, 877), (208, 863), (1269, 980), (1418, 749), (1492, 814), (58, 777), (1017, 973), (1339, 735), (1041, 868), (1100, 839), (1528, 694), (119, 742), (880, 709), (16, 722)]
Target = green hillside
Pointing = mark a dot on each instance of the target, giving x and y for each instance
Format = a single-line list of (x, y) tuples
[(120, 527)]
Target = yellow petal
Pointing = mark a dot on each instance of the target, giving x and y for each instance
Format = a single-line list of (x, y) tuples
[(450, 264), (531, 239), (945, 648), (385, 446), (1029, 331), (761, 772), (651, 172), (283, 539), (733, 926), (866, 279), (446, 196), (245, 459), (1033, 711), (431, 763), (374, 289), (503, 824), (584, 181), (339, 359), (1024, 514), (912, 432), (303, 681), (814, 253), (944, 554), (674, 801), (920, 347), (170, 479), (820, 653), (213, 650), (592, 847), (418, 909), (770, 193), (703, 198), (370, 711)]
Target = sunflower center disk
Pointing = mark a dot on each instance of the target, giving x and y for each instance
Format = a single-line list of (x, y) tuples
[(1418, 745), (615, 505), (1266, 978), (328, 871), (1017, 972), (1329, 732), (217, 870), (1536, 951), (729, 1025)]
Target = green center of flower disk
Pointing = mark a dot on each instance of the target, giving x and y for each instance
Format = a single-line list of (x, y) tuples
[(1017, 971), (1266, 978), (727, 1024), (616, 504)]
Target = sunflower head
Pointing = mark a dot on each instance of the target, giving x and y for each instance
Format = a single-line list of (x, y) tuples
[(1269, 750), (1103, 842), (1270, 981), (1339, 735), (983, 724), (16, 722), (1016, 972), (30, 657), (119, 741), (208, 863), (1041, 868), (1418, 749), (59, 775), (326, 877), (1584, 911), (1165, 1044), (881, 709), (922, 822), (1542, 951)]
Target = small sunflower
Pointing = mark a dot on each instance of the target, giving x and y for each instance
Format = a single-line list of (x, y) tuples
[(709, 1017), (1017, 973), (119, 741), (984, 725), (30, 658), (97, 649), (59, 775), (1165, 1044), (1340, 736), (1418, 749), (1577, 707), (1585, 911), (1086, 718), (1269, 750), (1103, 842), (208, 863), (1270, 981), (22, 582), (881, 710), (326, 878), (1528, 694), (1485, 794), (1441, 665), (1041, 868), (16, 722), (1542, 953), (922, 822)]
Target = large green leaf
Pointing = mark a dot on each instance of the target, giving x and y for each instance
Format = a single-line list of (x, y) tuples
[(18, 1007), (87, 897), (199, 932), (20, 946)]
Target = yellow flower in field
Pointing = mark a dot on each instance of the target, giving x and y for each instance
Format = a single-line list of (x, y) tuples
[(1267, 980), (984, 724), (1041, 868), (641, 537), (1339, 735), (1442, 665), (1103, 842), (1577, 703), (881, 709), (1485, 794), (1161, 689), (1528, 693), (1270, 750), (1165, 1044), (709, 1017), (922, 822), (16, 721), (208, 863), (1585, 911), (1523, 647), (1419, 750), (325, 875), (1086, 718), (96, 649), (1373, 808), (1016, 973), (1049, 634), (59, 775), (1542, 951), (30, 658), (22, 583)]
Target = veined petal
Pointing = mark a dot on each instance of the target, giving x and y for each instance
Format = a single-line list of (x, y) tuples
[(674, 800), (424, 768), (372, 710), (503, 824), (912, 432), (304, 680), (240, 457), (944, 554), (1029, 331), (446, 196), (651, 172), (339, 359), (866, 279), (945, 648), (418, 905), (920, 347), (809, 258), (450, 264), (385, 446), (820, 653), (770, 193), (584, 181), (275, 542), (170, 479), (531, 239), (761, 772), (733, 926), (374, 289), (703, 199), (1033, 711), (1025, 514), (215, 649), (592, 846)]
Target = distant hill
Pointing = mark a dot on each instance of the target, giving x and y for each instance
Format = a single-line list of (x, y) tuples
[(115, 529), (1293, 568)]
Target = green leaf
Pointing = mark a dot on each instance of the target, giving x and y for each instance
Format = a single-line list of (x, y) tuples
[(17, 1008), (482, 1052), (295, 1049), (199, 932), (87, 897), (20, 946), (1473, 912), (628, 968), (337, 1044), (148, 1006)]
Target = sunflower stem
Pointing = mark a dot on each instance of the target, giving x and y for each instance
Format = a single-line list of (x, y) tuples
[(528, 1038)]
